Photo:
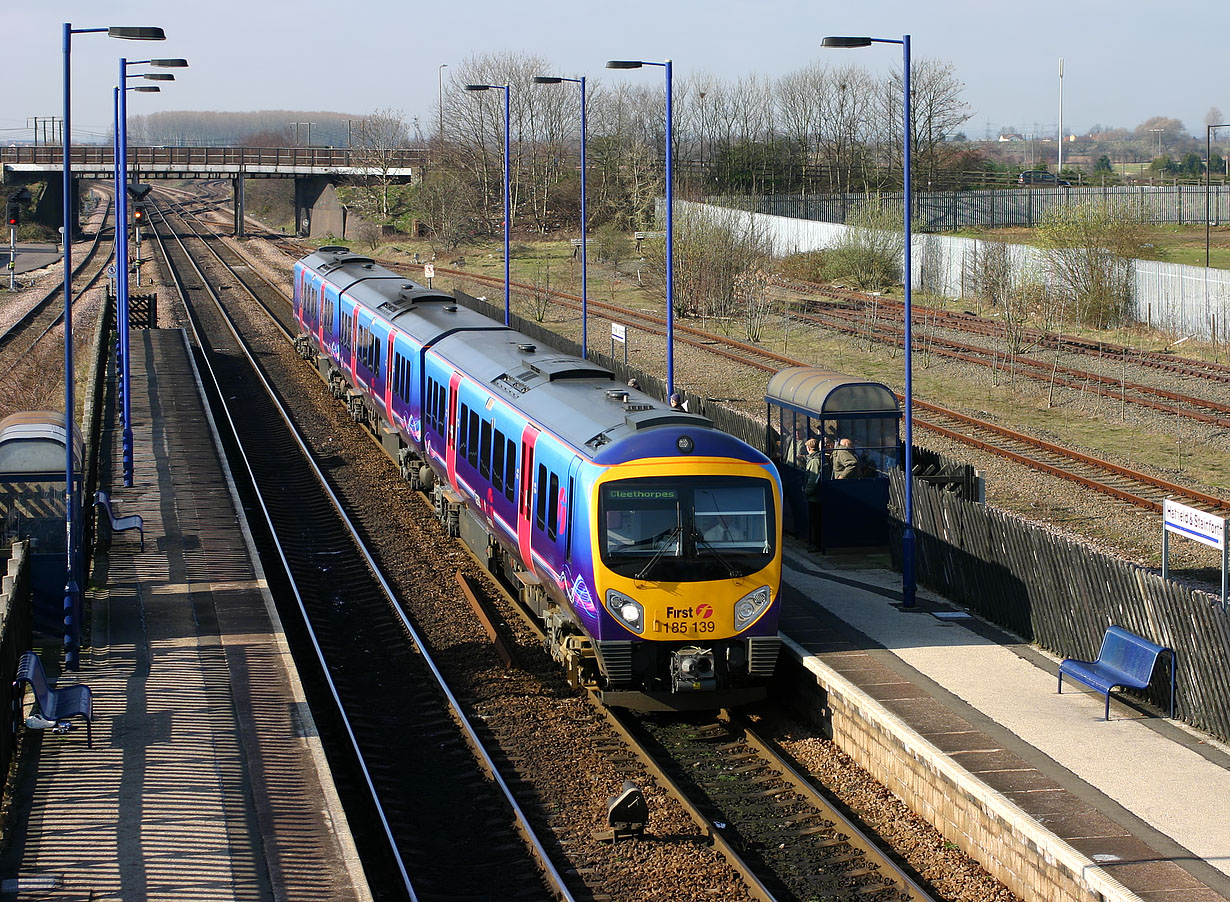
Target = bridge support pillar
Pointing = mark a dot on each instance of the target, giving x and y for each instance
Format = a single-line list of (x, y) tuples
[(51, 206), (237, 202), (317, 210)]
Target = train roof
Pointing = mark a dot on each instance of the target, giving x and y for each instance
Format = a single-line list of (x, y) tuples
[(576, 399), (580, 401)]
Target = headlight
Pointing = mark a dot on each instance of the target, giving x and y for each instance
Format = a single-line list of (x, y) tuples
[(751, 606), (626, 610)]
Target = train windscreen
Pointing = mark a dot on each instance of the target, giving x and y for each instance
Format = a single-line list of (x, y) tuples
[(689, 529)]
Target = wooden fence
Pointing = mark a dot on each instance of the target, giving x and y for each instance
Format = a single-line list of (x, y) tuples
[(1062, 596)]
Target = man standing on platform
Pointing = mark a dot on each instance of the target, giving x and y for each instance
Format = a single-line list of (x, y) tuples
[(813, 466)]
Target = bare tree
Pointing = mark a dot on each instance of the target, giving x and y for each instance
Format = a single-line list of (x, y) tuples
[(1089, 247), (800, 107), (376, 141), (712, 248)]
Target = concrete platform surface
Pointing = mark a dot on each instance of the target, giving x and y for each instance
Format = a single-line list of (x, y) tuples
[(206, 780)]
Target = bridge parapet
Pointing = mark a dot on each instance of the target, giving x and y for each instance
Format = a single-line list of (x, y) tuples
[(96, 160)]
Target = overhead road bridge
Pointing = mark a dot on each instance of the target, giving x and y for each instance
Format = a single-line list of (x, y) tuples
[(315, 170)]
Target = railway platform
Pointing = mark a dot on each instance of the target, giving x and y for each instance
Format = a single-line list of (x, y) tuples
[(206, 779), (1070, 805)]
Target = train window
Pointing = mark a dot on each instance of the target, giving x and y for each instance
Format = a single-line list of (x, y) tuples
[(437, 407), (441, 408), (431, 403), (375, 357), (461, 431), (553, 508), (497, 462), (472, 443), (347, 328), (484, 451), (540, 515), (510, 471)]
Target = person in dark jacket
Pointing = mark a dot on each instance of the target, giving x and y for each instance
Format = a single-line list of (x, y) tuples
[(813, 466), (845, 463)]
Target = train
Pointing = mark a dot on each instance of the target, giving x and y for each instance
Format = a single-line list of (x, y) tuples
[(648, 542)]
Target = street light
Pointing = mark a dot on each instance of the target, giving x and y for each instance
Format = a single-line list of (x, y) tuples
[(909, 586), (507, 191), (1208, 166), (121, 243), (440, 90), (554, 80), (670, 218), (71, 589)]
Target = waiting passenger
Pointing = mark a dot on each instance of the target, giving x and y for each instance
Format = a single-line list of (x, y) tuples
[(811, 491), (845, 464)]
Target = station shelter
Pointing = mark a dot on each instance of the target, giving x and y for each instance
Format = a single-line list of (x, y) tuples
[(32, 507), (808, 402)]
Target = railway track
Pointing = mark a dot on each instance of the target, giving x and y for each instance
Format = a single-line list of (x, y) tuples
[(826, 853), (45, 311), (399, 742)]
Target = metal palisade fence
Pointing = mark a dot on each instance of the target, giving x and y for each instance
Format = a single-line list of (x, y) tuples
[(993, 208)]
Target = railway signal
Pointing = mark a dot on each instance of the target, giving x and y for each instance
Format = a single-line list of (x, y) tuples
[(12, 214), (138, 214)]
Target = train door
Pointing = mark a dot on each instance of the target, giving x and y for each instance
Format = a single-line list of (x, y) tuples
[(450, 433), (525, 489), (391, 374)]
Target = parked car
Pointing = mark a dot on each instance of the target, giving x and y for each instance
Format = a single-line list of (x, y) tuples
[(1040, 177)]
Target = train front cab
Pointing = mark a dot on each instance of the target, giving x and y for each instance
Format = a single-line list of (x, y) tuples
[(808, 402)]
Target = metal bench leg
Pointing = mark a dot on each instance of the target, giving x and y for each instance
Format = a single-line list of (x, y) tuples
[(1108, 704)]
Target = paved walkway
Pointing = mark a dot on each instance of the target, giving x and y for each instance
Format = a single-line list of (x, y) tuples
[(1166, 784)]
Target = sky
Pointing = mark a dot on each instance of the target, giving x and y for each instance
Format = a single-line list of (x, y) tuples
[(1123, 63)]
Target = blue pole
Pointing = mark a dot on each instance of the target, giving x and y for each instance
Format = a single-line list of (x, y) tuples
[(584, 225), (71, 588), (670, 241), (507, 206), (908, 584), (122, 268)]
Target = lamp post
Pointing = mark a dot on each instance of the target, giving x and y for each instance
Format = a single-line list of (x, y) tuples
[(121, 242), (908, 584), (71, 589), (1208, 193), (553, 80), (507, 191), (1059, 165), (670, 217), (440, 90)]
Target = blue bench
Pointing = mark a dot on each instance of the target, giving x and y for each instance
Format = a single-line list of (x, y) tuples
[(54, 705), (120, 524), (1125, 661)]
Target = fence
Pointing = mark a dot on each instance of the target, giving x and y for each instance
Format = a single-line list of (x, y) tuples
[(1182, 300), (949, 211), (1061, 596)]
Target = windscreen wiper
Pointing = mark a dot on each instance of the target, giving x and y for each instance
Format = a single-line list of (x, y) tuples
[(666, 542), (722, 559)]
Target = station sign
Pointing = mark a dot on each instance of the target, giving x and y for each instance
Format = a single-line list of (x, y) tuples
[(619, 332), (1197, 525)]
